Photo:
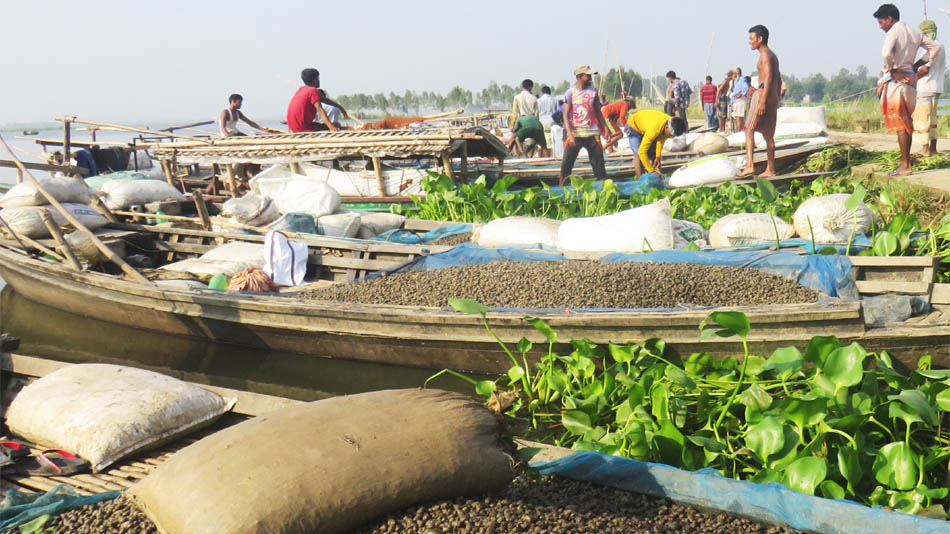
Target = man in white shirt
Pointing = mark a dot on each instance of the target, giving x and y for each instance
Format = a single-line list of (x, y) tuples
[(930, 73), (525, 103), (546, 107), (897, 88)]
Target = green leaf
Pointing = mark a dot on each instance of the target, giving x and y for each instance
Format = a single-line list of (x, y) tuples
[(935, 493), (669, 441), (542, 327), (856, 198), (765, 476), (819, 348), (886, 199), (680, 378), (692, 247), (917, 401), (756, 401), (558, 381), (766, 189), (943, 400), (576, 422), (731, 323), (895, 466), (515, 374), (659, 402), (827, 251), (765, 438), (524, 345), (622, 353), (785, 361), (831, 490), (849, 465), (803, 413), (804, 474), (485, 387), (710, 444), (885, 244), (844, 365), (469, 306)]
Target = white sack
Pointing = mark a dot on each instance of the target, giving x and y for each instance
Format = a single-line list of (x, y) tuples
[(298, 194), (339, 225), (710, 143), (374, 223), (25, 220), (802, 114), (711, 170), (748, 228), (830, 220), (518, 230), (251, 209), (636, 230), (798, 130), (82, 246), (228, 260), (62, 188), (737, 140), (675, 144), (106, 412), (121, 194), (685, 232), (285, 261), (141, 158)]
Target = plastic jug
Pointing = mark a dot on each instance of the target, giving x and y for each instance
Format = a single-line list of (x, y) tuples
[(218, 281)]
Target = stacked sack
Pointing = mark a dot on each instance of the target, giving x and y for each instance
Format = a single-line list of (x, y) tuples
[(23, 203)]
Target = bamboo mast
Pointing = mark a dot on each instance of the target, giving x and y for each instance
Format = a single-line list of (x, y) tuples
[(67, 120)]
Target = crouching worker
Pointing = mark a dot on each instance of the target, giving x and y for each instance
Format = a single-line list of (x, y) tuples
[(651, 128), (528, 127)]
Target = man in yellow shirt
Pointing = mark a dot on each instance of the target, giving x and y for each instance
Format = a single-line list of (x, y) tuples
[(651, 128)]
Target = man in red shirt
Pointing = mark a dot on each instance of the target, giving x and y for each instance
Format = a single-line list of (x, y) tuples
[(708, 94), (615, 116), (305, 106)]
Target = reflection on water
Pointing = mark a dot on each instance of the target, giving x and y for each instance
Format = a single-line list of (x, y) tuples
[(58, 335)]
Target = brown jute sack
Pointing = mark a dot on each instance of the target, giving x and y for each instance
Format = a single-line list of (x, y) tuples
[(328, 466)]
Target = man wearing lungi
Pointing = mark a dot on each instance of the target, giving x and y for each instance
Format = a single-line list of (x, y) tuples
[(763, 109), (929, 86)]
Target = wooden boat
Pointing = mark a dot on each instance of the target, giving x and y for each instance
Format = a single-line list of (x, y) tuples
[(431, 338)]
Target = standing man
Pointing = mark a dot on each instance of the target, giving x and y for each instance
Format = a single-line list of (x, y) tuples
[(583, 122), (306, 105), (615, 116), (227, 120), (681, 92), (897, 86), (650, 129), (525, 103), (546, 108), (763, 110), (722, 97), (930, 81), (740, 101), (708, 95)]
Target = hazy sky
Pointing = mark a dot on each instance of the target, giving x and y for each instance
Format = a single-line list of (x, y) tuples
[(176, 60)]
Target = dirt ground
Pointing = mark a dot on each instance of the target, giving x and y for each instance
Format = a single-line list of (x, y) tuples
[(936, 179)]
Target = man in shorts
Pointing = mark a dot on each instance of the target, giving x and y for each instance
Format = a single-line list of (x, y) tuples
[(930, 79), (740, 100)]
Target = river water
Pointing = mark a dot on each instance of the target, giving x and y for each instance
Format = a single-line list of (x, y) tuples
[(50, 333)]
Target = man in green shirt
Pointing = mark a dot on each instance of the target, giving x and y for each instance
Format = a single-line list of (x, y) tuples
[(529, 127)]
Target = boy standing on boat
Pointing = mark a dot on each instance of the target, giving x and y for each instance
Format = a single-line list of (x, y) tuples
[(929, 86), (650, 129), (227, 121), (583, 122), (306, 105), (763, 108)]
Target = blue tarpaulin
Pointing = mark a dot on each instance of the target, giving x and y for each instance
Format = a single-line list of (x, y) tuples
[(408, 237), (19, 508), (768, 503), (641, 186), (829, 274)]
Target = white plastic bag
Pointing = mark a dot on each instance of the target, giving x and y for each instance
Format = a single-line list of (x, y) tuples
[(748, 228), (518, 230), (299, 194), (675, 144), (121, 194), (26, 221), (830, 220), (710, 170), (62, 188), (285, 261), (106, 412), (686, 232), (339, 225), (636, 230)]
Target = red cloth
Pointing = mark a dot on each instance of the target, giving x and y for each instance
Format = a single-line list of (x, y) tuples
[(708, 93), (301, 110)]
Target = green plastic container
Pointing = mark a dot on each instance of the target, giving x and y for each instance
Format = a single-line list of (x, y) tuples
[(159, 220), (218, 281)]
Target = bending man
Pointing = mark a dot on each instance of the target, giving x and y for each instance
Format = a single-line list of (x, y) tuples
[(651, 128)]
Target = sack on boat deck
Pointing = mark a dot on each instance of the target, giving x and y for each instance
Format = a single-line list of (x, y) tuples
[(300, 223), (328, 466), (251, 209), (339, 225), (636, 230), (686, 232), (676, 144), (830, 220), (82, 246), (228, 260), (285, 261), (298, 194), (737, 140), (517, 230), (710, 143), (26, 221), (62, 188), (802, 115), (710, 170), (106, 412), (748, 228), (373, 224), (121, 194), (95, 182)]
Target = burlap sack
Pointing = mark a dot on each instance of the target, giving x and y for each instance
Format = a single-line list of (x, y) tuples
[(328, 466)]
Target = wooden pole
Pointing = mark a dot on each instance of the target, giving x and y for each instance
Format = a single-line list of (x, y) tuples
[(58, 237), (106, 251), (166, 168), (133, 129), (202, 209), (380, 181), (464, 172), (21, 239), (295, 168), (66, 132), (447, 165), (101, 207), (232, 182)]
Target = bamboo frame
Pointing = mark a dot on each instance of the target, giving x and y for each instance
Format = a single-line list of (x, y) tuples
[(58, 237)]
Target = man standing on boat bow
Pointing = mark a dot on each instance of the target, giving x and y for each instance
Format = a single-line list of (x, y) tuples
[(306, 105)]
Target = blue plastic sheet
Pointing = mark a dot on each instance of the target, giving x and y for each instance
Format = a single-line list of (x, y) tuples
[(19, 508), (768, 503), (642, 186), (860, 242), (829, 274), (408, 237)]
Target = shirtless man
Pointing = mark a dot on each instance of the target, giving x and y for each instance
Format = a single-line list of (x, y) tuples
[(763, 109)]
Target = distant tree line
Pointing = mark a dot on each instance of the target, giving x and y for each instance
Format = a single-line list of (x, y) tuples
[(816, 87)]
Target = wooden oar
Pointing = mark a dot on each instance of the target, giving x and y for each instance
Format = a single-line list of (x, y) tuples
[(133, 129), (106, 251)]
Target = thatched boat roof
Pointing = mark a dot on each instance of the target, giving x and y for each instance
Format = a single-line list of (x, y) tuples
[(348, 144)]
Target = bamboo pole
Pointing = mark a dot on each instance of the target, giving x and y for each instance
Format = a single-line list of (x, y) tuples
[(133, 129), (380, 181), (58, 237), (106, 251), (202, 209), (397, 136), (167, 169), (66, 134), (232, 182), (21, 239), (197, 220)]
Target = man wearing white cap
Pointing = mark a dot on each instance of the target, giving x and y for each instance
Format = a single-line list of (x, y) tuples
[(583, 122)]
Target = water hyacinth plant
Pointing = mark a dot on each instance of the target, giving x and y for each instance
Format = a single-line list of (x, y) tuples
[(837, 421)]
